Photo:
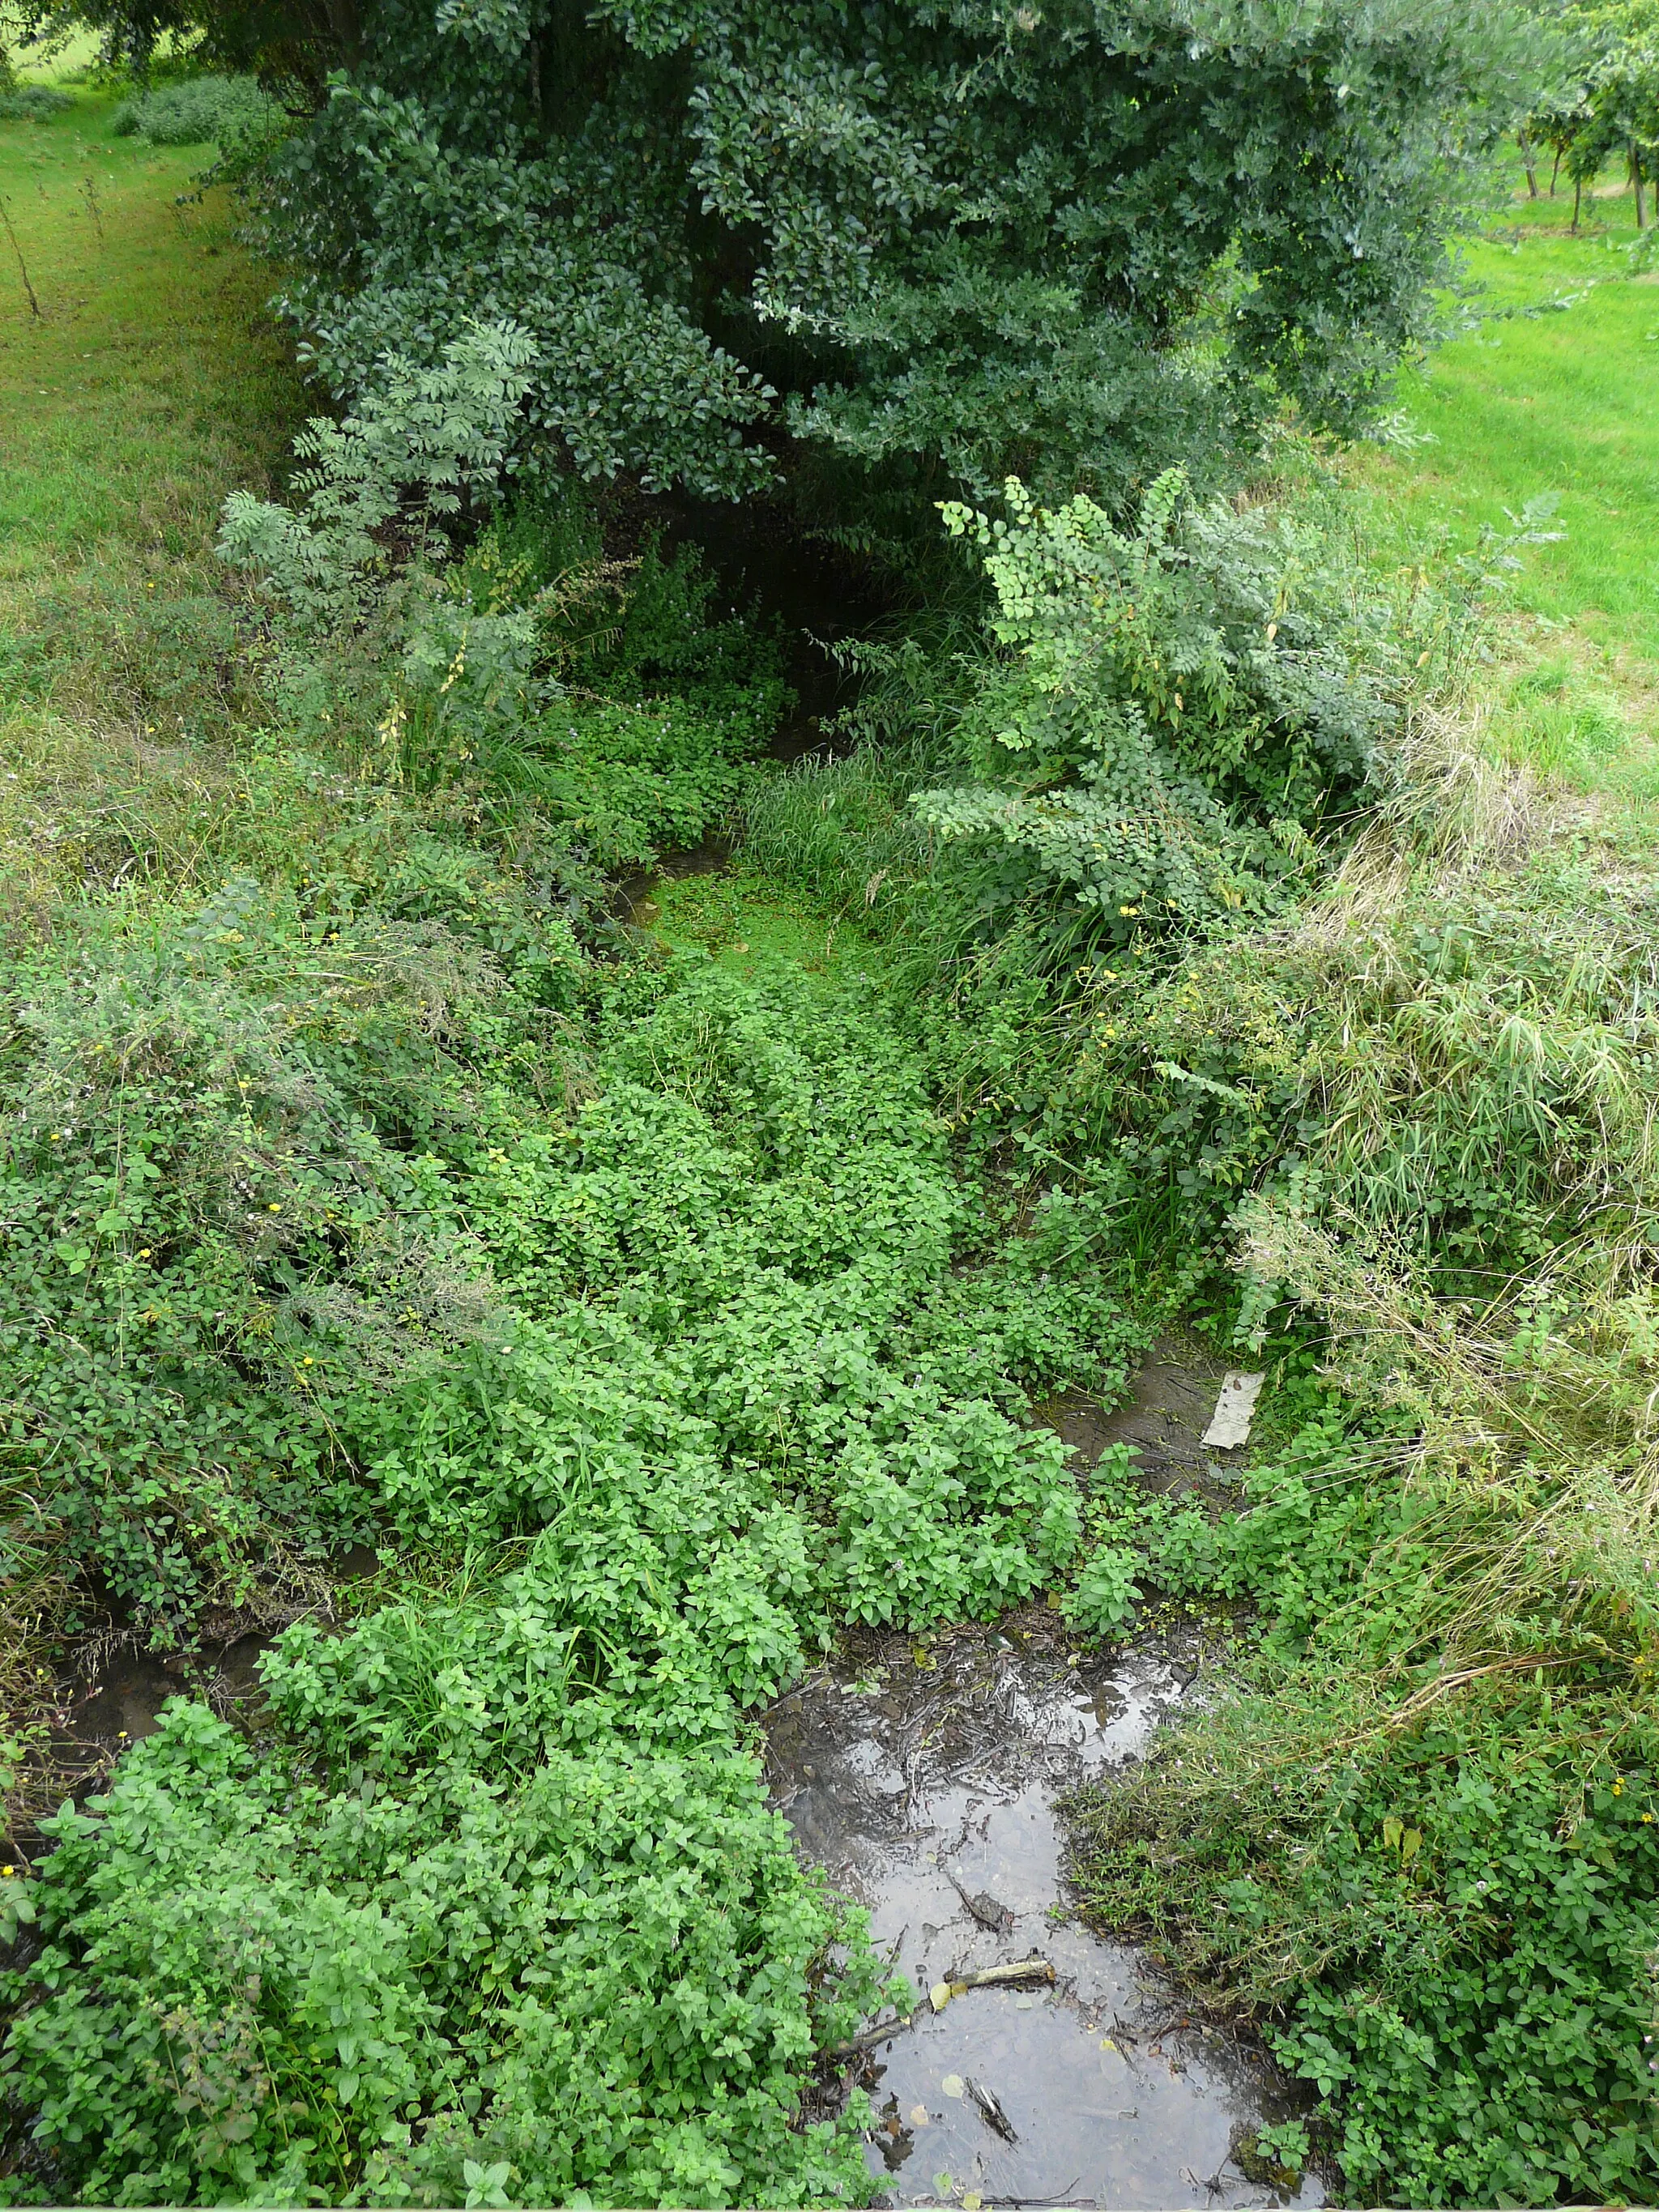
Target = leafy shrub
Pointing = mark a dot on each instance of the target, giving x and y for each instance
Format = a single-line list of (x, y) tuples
[(1106, 1592), (32, 102), (720, 226), (1179, 706), (209, 1123), (197, 110), (421, 444)]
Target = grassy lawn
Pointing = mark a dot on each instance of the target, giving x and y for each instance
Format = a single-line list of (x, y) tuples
[(152, 380), (1550, 388), (150, 385)]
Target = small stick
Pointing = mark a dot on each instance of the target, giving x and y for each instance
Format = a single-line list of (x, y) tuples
[(87, 187), (990, 1977), (22, 265), (871, 2036)]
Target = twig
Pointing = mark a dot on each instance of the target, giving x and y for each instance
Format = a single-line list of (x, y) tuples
[(22, 265), (991, 2112), (90, 191), (1058, 2204), (991, 1978), (870, 2037)]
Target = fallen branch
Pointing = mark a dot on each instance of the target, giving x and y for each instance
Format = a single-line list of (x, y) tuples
[(987, 1977), (868, 2038), (990, 1977)]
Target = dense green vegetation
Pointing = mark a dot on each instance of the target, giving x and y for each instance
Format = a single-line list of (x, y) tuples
[(1226, 908), (930, 246)]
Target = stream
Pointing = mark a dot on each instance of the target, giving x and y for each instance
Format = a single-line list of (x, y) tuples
[(922, 1776)]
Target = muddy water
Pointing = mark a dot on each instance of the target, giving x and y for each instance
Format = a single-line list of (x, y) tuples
[(901, 1767)]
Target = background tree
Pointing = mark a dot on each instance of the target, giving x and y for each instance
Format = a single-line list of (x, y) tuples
[(1603, 102), (1072, 242)]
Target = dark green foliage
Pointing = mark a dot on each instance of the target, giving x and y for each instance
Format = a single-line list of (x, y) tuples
[(1076, 246)]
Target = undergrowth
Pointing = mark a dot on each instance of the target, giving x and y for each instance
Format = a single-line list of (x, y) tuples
[(368, 1182), (1394, 1130), (656, 1309)]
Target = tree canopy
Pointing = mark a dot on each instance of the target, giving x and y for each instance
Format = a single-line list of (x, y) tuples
[(1072, 240)]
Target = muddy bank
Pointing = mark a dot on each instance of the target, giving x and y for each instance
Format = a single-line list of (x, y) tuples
[(922, 1778)]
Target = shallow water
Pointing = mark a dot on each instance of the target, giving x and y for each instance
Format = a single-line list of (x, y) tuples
[(900, 1766)]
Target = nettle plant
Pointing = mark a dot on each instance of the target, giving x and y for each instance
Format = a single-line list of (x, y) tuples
[(1176, 707)]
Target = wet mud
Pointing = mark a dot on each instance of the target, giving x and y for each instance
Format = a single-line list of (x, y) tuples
[(923, 1779), (1170, 1405), (111, 1686)]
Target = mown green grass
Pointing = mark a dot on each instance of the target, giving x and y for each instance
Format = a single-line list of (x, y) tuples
[(152, 380), (1548, 389)]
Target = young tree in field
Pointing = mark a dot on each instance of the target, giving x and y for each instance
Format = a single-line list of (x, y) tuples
[(1603, 105)]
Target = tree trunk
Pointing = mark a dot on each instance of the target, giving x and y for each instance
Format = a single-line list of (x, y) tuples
[(1555, 172), (1529, 162), (1577, 195), (1637, 181)]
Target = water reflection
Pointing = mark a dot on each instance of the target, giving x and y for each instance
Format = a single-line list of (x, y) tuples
[(923, 1781)]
